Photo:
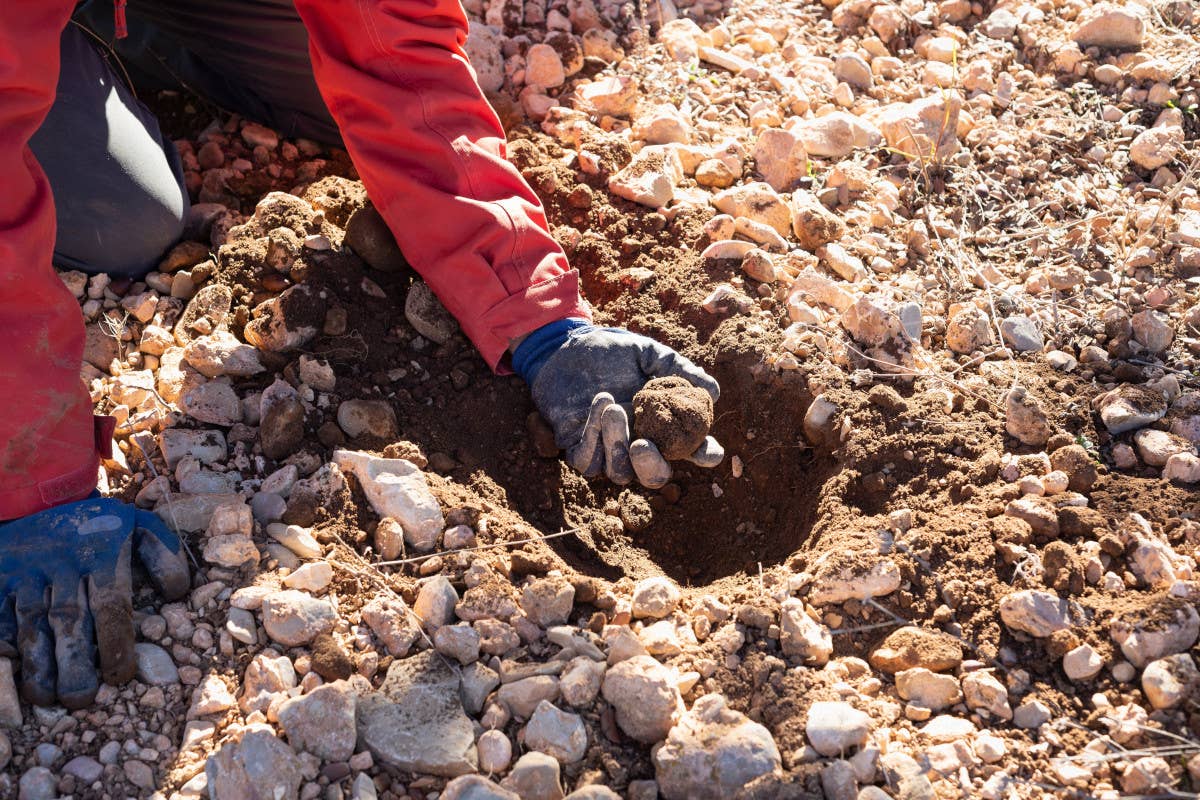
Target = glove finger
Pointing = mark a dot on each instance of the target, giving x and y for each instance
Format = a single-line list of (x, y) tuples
[(587, 455), (660, 361), (161, 553), (614, 425), (652, 469), (110, 598), (709, 454), (8, 625), (35, 642), (74, 647)]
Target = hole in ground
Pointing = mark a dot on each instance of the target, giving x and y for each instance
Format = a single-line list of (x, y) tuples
[(720, 526)]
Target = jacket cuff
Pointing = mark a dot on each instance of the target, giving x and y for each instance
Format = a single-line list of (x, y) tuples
[(519, 314)]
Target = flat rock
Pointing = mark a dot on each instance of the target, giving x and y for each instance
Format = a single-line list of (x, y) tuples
[(258, 767), (322, 721), (427, 315), (416, 722), (1128, 408), (295, 618), (910, 647), (1110, 26), (397, 488), (556, 733), (154, 665), (1035, 612), (1168, 628)]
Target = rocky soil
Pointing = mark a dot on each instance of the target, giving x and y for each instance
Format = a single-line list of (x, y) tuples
[(942, 258)]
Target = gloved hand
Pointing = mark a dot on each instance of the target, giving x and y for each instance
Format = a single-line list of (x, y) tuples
[(583, 379), (66, 585)]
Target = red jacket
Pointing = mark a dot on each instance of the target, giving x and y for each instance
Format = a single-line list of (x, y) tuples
[(430, 151)]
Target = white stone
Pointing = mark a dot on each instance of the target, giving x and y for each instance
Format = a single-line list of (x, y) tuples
[(644, 695), (837, 135), (924, 128), (295, 618), (1169, 681), (838, 581), (781, 158), (836, 728), (556, 733), (758, 202), (713, 752), (655, 598), (928, 689), (1033, 713), (802, 637), (397, 488), (220, 353), (1082, 663), (435, 602), (495, 751), (650, 178), (580, 681), (1110, 26), (321, 722), (313, 577), (1143, 641), (295, 538), (983, 692), (1035, 612), (1156, 147)]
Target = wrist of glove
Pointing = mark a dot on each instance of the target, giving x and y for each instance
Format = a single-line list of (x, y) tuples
[(583, 379), (66, 585)]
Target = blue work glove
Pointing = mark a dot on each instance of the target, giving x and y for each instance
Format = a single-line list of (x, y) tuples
[(583, 379), (66, 585)]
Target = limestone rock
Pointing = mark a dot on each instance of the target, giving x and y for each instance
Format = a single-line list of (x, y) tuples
[(813, 224), (556, 733), (645, 697), (415, 722), (1035, 612), (1160, 632), (650, 178), (836, 135), (397, 488), (322, 721), (713, 752), (1171, 680), (1110, 26), (1024, 417), (1128, 408), (836, 728), (258, 767), (909, 647), (295, 618), (802, 637), (425, 312)]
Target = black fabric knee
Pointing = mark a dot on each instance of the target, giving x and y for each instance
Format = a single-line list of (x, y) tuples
[(117, 183), (246, 56)]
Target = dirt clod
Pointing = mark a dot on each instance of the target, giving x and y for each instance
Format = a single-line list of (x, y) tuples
[(673, 414)]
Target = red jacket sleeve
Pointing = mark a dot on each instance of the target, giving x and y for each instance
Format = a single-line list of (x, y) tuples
[(431, 153), (48, 450)]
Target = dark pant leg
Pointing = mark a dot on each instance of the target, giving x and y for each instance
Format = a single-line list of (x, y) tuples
[(247, 56), (117, 184)]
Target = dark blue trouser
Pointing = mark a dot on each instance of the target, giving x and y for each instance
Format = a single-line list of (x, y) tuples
[(118, 185)]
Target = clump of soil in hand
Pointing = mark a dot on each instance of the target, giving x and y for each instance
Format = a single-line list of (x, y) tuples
[(673, 414)]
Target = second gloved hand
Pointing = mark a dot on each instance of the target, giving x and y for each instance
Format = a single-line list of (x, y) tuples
[(583, 379), (66, 584)]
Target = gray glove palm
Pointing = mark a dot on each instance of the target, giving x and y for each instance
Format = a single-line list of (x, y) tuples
[(583, 380)]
